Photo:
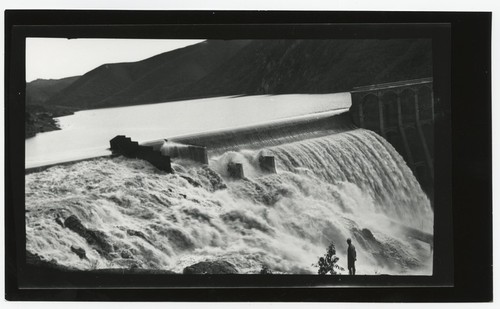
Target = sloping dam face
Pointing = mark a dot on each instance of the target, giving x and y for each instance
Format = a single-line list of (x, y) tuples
[(259, 136)]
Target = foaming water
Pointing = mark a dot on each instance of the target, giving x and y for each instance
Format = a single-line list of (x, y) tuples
[(329, 188)]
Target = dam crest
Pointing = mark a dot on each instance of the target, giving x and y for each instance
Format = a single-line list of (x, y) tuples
[(401, 112)]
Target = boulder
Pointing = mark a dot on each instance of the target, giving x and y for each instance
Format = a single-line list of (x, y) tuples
[(191, 181), (215, 180), (177, 238), (80, 252), (138, 234), (96, 239), (367, 234), (59, 220), (211, 267), (125, 254), (36, 260)]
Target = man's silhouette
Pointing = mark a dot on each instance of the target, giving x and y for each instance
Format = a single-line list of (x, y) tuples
[(351, 257)]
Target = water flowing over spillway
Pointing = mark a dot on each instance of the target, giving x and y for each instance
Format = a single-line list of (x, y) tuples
[(328, 188)]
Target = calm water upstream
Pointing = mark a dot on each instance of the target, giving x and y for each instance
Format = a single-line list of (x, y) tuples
[(87, 133)]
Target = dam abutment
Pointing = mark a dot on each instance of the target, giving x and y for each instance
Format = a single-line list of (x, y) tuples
[(404, 114), (123, 145)]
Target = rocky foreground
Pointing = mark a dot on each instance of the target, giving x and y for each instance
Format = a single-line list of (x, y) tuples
[(97, 240)]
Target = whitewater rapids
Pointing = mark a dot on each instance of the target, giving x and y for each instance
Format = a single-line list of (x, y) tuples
[(327, 189)]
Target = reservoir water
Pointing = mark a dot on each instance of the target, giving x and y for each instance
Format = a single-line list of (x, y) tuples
[(87, 133)]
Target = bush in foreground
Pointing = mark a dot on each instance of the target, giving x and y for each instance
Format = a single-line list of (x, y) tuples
[(327, 264)]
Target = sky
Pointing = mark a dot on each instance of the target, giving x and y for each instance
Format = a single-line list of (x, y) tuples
[(54, 58)]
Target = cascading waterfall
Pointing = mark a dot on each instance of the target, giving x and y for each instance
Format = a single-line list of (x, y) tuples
[(327, 189)]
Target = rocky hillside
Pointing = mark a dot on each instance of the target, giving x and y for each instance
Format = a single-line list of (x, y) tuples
[(316, 66), (40, 90), (40, 118), (147, 81), (234, 67)]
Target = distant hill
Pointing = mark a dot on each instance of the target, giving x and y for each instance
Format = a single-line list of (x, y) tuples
[(147, 81), (316, 66), (234, 67), (40, 90)]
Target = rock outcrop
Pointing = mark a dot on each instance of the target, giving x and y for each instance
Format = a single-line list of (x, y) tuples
[(96, 239), (211, 267), (80, 252), (34, 259)]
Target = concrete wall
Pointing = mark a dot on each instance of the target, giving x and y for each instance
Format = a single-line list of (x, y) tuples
[(125, 146), (403, 113), (183, 151)]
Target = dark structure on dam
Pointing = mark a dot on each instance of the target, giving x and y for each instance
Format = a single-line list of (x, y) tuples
[(403, 113), (125, 146)]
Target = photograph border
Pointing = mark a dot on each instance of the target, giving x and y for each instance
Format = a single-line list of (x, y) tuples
[(463, 162)]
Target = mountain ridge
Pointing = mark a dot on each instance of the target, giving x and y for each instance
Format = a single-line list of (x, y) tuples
[(247, 67), (119, 84)]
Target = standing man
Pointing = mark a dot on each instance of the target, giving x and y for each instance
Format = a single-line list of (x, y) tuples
[(351, 257)]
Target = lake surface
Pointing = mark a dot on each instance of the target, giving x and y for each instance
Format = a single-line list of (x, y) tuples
[(87, 133)]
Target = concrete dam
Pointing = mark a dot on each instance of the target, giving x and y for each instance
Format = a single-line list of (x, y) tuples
[(274, 194), (199, 147), (404, 114), (401, 112)]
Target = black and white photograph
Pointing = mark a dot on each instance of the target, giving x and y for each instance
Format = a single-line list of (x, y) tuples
[(192, 155), (231, 156)]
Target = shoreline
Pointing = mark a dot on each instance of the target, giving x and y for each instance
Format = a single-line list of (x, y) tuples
[(40, 119)]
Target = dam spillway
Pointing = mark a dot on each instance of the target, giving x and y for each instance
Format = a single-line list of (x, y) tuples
[(201, 147), (402, 112), (331, 181), (257, 136), (266, 135), (326, 189)]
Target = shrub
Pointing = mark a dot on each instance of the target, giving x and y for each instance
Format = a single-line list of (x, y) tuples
[(328, 263), (265, 270)]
